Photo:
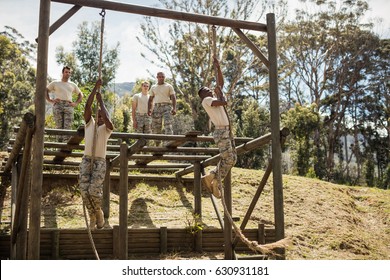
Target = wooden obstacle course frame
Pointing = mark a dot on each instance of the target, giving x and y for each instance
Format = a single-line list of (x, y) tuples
[(45, 30)]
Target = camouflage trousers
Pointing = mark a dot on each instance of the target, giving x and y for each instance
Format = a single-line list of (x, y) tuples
[(228, 155), (63, 114), (144, 123), (162, 112), (91, 182)]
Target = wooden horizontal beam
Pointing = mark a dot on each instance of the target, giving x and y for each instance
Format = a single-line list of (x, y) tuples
[(146, 149), (136, 147), (62, 20), (187, 158), (75, 164), (168, 14), (249, 146), (116, 177), (252, 46), (134, 136)]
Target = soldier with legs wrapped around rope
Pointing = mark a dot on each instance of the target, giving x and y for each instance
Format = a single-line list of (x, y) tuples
[(92, 177), (213, 102)]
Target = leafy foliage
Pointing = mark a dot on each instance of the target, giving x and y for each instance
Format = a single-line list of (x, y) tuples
[(302, 122), (84, 58), (17, 81)]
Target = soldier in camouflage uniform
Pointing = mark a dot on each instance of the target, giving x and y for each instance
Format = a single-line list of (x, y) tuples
[(92, 177), (63, 105), (163, 98), (142, 122), (213, 102)]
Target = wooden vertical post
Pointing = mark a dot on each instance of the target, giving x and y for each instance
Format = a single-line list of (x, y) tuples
[(34, 242), (115, 242), (55, 244), (163, 240), (21, 240), (227, 224), (275, 128), (14, 189), (198, 204), (123, 202), (260, 234), (19, 231)]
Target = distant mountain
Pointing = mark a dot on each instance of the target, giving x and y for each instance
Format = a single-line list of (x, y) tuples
[(121, 89)]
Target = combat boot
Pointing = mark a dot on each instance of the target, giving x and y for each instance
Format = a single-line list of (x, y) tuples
[(99, 218), (92, 221)]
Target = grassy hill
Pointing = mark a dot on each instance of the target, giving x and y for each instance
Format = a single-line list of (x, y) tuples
[(325, 221)]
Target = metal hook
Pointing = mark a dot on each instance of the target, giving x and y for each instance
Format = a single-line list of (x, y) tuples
[(103, 12)]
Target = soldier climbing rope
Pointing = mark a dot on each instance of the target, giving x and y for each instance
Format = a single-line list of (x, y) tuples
[(92, 221), (253, 245)]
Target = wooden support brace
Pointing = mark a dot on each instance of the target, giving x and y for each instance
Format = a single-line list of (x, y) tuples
[(137, 146)]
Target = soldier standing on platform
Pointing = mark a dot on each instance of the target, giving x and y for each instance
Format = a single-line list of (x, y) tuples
[(63, 105), (163, 98)]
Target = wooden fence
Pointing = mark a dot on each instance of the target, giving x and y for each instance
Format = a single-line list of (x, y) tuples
[(74, 244)]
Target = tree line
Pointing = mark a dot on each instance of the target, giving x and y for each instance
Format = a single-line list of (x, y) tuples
[(333, 82)]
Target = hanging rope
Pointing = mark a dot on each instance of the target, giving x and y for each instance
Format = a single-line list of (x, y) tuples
[(102, 14), (214, 29), (90, 234), (267, 249)]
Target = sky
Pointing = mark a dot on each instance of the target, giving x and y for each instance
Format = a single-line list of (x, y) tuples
[(23, 15)]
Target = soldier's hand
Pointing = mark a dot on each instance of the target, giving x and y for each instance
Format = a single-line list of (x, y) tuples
[(215, 61)]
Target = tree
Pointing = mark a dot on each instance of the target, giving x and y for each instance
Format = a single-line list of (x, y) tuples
[(17, 81), (374, 111), (122, 115), (254, 122), (302, 122), (325, 58), (85, 55)]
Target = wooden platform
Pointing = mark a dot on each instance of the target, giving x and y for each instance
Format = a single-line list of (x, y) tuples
[(178, 156)]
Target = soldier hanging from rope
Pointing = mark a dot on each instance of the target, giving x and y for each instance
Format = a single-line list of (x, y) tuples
[(93, 164), (213, 102)]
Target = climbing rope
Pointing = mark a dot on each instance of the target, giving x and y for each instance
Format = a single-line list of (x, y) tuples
[(266, 249), (102, 14), (90, 233), (214, 29)]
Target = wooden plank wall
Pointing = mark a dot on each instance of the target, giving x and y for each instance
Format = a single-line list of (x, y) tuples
[(74, 244)]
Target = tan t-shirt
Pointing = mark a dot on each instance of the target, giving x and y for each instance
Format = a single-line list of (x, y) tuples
[(63, 90), (142, 102), (216, 113), (103, 133), (162, 93)]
